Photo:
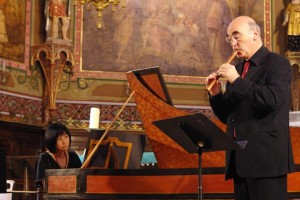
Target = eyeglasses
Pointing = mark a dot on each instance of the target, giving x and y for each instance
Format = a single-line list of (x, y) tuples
[(236, 36)]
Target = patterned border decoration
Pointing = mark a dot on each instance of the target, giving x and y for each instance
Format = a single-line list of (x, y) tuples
[(19, 108), (267, 25), (25, 109)]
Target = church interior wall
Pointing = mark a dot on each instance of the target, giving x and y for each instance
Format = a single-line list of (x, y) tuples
[(22, 84)]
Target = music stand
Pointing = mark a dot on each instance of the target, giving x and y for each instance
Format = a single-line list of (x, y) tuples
[(196, 133)]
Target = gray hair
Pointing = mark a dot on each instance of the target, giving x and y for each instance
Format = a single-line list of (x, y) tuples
[(253, 25)]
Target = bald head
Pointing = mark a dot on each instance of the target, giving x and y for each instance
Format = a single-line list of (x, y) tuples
[(249, 36), (246, 21)]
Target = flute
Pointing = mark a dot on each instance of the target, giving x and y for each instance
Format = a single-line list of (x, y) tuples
[(213, 82)]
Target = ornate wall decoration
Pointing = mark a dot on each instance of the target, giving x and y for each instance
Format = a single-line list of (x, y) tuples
[(25, 109), (20, 108)]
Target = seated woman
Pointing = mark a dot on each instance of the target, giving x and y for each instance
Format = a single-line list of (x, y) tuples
[(58, 155)]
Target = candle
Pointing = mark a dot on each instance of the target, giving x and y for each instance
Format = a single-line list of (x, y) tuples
[(94, 118)]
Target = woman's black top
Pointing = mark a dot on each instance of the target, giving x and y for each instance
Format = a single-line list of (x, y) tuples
[(46, 161)]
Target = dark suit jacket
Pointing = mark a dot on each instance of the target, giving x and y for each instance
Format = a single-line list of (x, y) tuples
[(257, 108)]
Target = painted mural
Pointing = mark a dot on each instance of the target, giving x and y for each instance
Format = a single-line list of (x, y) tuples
[(12, 29), (183, 37)]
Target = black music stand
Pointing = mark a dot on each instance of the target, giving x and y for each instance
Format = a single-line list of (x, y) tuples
[(196, 133)]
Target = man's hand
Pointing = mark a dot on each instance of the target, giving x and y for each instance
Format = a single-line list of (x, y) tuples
[(216, 87), (229, 72)]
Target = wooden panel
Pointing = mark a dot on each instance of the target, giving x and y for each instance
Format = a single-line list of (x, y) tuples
[(295, 138), (157, 184), (293, 182), (62, 184), (20, 139), (153, 80), (142, 184), (145, 184)]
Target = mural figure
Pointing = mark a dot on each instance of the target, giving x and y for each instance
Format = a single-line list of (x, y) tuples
[(186, 44), (155, 30), (218, 18), (3, 33), (12, 29), (124, 29), (292, 18)]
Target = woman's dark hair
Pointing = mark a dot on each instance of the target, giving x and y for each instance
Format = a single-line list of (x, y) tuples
[(52, 133)]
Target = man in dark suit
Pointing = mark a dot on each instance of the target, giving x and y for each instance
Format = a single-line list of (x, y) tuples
[(255, 106)]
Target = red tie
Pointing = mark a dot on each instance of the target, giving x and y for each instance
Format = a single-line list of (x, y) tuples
[(246, 68)]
